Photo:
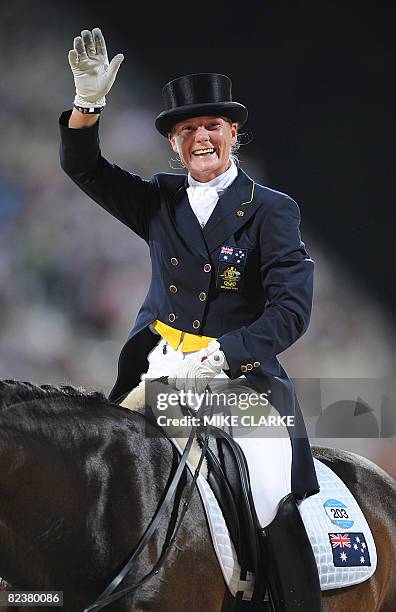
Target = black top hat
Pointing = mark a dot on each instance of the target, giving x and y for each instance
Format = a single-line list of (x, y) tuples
[(194, 95)]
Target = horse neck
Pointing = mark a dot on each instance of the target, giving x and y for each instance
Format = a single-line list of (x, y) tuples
[(20, 561), (64, 504)]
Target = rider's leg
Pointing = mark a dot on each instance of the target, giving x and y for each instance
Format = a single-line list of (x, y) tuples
[(269, 462), (285, 547)]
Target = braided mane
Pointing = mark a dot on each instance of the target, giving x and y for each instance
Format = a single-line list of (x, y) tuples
[(15, 391)]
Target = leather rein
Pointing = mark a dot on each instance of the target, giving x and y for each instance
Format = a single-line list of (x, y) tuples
[(108, 596)]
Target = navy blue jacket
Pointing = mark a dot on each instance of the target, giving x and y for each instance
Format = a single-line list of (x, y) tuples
[(256, 310)]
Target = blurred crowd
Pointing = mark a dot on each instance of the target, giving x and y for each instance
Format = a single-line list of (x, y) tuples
[(71, 277)]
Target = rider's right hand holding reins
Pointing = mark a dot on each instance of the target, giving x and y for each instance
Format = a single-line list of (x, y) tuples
[(198, 369), (93, 76)]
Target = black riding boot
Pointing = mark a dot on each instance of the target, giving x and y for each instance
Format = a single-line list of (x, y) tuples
[(293, 575)]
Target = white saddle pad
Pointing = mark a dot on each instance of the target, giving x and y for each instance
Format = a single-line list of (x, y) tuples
[(341, 539)]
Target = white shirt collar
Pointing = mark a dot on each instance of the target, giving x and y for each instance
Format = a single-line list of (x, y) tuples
[(220, 182)]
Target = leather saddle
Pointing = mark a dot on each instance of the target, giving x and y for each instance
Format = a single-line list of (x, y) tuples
[(228, 476)]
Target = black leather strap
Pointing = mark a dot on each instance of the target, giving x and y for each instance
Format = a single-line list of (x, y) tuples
[(92, 110)]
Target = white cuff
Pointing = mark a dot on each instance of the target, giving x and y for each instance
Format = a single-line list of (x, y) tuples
[(85, 104)]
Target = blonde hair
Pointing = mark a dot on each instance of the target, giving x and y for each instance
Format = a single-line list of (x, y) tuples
[(234, 147)]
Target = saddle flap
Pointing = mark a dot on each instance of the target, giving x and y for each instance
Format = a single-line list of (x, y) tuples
[(229, 477)]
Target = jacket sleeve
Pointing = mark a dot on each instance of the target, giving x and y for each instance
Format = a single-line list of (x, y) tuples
[(287, 279), (124, 195)]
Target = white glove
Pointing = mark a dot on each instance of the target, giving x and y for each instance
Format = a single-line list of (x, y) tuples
[(93, 75), (198, 369)]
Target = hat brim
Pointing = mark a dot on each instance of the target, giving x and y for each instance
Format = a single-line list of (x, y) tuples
[(233, 110)]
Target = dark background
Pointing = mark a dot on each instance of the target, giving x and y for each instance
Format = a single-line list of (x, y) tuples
[(317, 79)]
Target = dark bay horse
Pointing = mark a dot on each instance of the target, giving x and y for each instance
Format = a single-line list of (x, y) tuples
[(80, 480)]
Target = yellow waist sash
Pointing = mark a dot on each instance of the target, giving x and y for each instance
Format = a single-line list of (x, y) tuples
[(175, 337)]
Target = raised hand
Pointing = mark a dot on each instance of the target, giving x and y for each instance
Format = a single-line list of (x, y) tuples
[(93, 75)]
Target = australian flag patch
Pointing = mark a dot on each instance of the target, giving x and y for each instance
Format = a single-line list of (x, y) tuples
[(233, 254), (231, 268), (349, 549)]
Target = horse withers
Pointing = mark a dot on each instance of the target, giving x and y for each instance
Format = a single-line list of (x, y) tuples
[(81, 479)]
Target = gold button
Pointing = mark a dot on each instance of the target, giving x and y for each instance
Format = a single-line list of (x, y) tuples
[(207, 267), (256, 364), (196, 324), (173, 288), (240, 213), (243, 368), (172, 317), (249, 366), (174, 261), (202, 296)]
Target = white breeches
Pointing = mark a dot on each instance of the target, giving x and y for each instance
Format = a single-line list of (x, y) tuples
[(269, 456)]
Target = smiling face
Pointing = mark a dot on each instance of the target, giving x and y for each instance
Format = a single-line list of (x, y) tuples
[(204, 145)]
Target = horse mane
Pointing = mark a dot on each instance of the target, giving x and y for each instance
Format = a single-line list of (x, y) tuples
[(30, 399), (15, 391), (57, 411)]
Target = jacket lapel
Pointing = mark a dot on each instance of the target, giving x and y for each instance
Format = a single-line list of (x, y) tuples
[(232, 211), (187, 224)]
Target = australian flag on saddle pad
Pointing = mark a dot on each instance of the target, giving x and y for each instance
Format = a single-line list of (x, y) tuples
[(349, 549)]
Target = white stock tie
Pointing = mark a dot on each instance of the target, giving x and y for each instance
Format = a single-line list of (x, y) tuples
[(203, 197)]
